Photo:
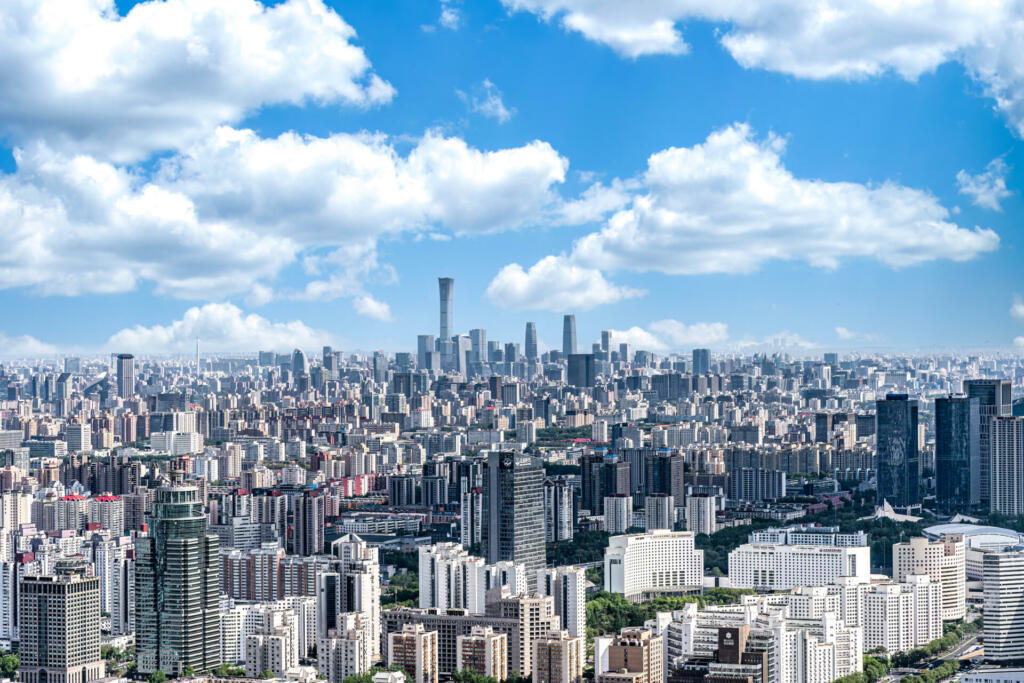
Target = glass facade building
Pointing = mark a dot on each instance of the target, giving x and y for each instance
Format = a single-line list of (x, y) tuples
[(957, 454), (896, 431)]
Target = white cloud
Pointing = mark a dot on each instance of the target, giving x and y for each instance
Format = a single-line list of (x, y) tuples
[(367, 306), (24, 346), (780, 341), (81, 77), (554, 284), (596, 202), (450, 17), (847, 334), (849, 39), (1019, 342), (487, 101), (729, 205), (219, 327), (226, 215), (985, 189), (1017, 309), (672, 335)]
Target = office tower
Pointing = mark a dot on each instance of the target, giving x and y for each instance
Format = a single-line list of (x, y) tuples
[(511, 352), (1006, 444), (559, 510), (642, 566), (515, 511), (125, 375), (659, 511), (625, 353), (424, 345), (414, 650), (606, 341), (1003, 582), (822, 427), (618, 513), (310, 521), (568, 335), (635, 650), (177, 586), (957, 454), (380, 367), (79, 437), (559, 657), (530, 343), (300, 365), (994, 400), (701, 362), (581, 370), (478, 344), (944, 561), (896, 431), (483, 652), (446, 285), (567, 585), (59, 617), (831, 359), (700, 514)]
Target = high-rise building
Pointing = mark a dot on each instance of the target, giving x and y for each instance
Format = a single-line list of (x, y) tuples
[(944, 561), (125, 375), (1003, 582), (514, 489), (659, 511), (310, 521), (414, 650), (1006, 445), (581, 370), (300, 364), (351, 584), (567, 585), (559, 657), (606, 341), (483, 652), (637, 651), (424, 345), (59, 618), (957, 454), (700, 514), (701, 362), (530, 343), (559, 510), (478, 344), (446, 287), (642, 566), (177, 585), (618, 513), (568, 335), (994, 400), (897, 436), (763, 566)]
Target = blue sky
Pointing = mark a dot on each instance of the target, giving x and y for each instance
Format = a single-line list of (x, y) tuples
[(577, 105)]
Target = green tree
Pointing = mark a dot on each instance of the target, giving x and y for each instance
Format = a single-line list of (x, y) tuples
[(472, 677), (157, 676), (188, 671), (9, 664), (267, 673)]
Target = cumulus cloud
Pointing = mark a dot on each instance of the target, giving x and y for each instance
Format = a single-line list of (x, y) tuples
[(779, 341), (847, 334), (828, 39), (672, 335), (450, 17), (555, 284), (729, 205), (367, 306), (986, 189), (219, 327), (225, 215), (1019, 342), (596, 202), (84, 78), (486, 100), (24, 346), (1017, 309)]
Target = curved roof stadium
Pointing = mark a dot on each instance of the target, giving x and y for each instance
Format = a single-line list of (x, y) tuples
[(977, 536)]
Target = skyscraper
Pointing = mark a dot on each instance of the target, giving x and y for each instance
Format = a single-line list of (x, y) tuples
[(177, 586), (514, 489), (310, 518), (478, 344), (701, 361), (125, 375), (447, 290), (606, 341), (530, 345), (1007, 446), (60, 626), (994, 399), (581, 370), (568, 335), (424, 345), (957, 454), (896, 432), (300, 365)]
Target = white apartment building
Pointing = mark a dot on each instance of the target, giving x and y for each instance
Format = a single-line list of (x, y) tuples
[(944, 561), (341, 653), (700, 514), (567, 585), (618, 513), (806, 534), (1006, 471), (901, 616), (450, 577), (763, 566), (640, 566)]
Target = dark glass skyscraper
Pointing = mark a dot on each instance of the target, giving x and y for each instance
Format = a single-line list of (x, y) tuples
[(957, 454), (701, 361), (581, 370), (125, 375), (530, 345), (568, 334), (514, 491), (446, 287), (994, 400), (898, 473), (177, 586)]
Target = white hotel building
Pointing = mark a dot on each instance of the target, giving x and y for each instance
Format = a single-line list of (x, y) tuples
[(659, 562), (781, 567)]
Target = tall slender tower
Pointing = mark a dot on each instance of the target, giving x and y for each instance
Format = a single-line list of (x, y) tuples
[(177, 586), (568, 335), (896, 433), (530, 347), (125, 375), (447, 289), (515, 511), (994, 400)]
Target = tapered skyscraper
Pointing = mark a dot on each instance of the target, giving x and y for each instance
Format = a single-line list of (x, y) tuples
[(568, 335), (530, 347), (177, 586), (447, 290)]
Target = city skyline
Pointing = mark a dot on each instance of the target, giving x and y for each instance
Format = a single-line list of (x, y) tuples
[(906, 169)]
